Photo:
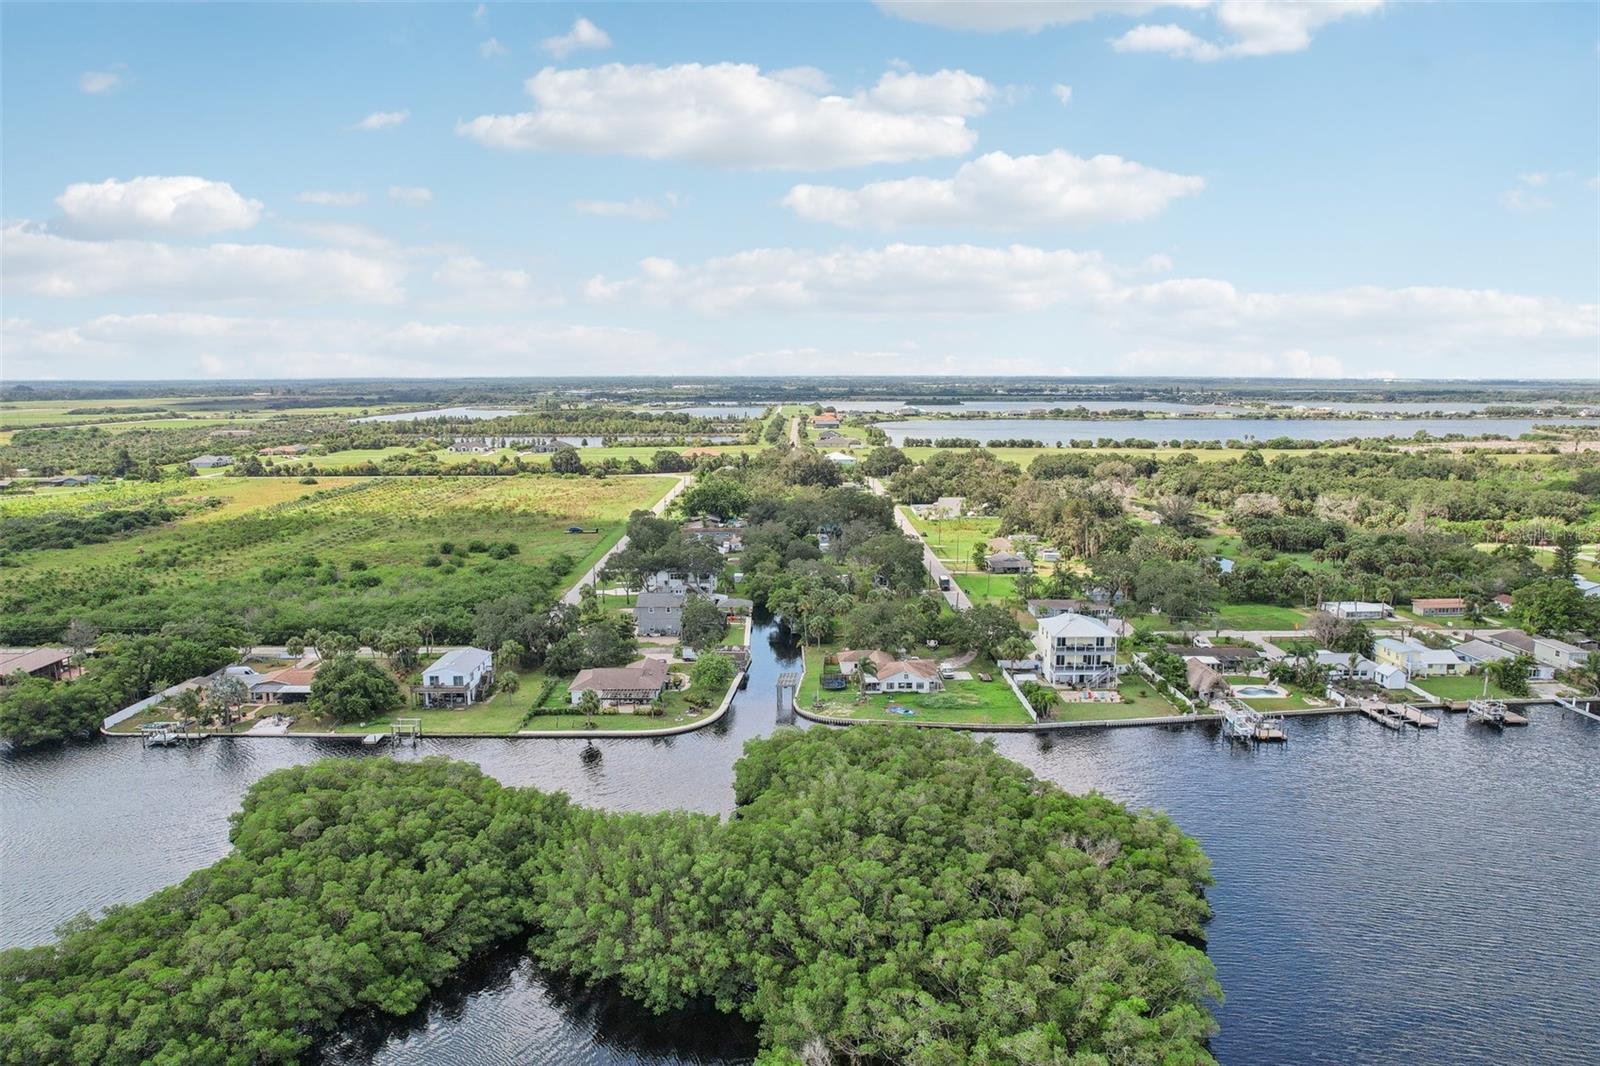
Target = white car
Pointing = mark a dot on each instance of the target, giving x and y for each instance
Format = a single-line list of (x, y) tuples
[(947, 671)]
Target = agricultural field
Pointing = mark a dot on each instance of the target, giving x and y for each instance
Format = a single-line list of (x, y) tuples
[(344, 553)]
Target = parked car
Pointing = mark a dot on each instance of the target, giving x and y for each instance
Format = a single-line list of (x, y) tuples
[(947, 671)]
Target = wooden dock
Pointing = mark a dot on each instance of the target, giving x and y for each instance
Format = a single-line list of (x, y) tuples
[(1585, 706)]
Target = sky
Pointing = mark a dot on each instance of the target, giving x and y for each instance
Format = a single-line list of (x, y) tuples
[(1224, 188)]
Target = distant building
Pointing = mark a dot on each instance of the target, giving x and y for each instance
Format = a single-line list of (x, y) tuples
[(1587, 587), (1007, 563), (52, 663), (943, 507), (681, 581), (659, 614), (457, 678), (1483, 652), (1558, 653), (726, 536), (68, 480), (1356, 610), (1229, 658), (206, 462), (825, 421), (285, 449), (1047, 608), (640, 682), (526, 442), (1077, 651), (842, 458), (1446, 605)]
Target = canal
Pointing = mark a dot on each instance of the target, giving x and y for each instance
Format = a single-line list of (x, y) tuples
[(1381, 897)]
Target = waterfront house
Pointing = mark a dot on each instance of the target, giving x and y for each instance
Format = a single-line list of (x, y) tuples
[(52, 663), (206, 462), (1439, 606), (826, 420), (457, 678), (1558, 653), (1007, 563), (1340, 668), (638, 683), (659, 614), (1356, 610), (887, 673), (1076, 651), (1417, 659), (1482, 653), (291, 684)]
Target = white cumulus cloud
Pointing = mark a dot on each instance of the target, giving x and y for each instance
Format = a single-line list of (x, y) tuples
[(899, 278), (411, 195), (46, 264), (491, 48), (1249, 27), (177, 344), (988, 16), (1005, 192), (734, 115), (96, 82), (584, 35), (1062, 93), (328, 198), (382, 120), (638, 208), (177, 205)]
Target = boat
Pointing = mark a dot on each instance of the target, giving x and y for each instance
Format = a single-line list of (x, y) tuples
[(1490, 713)]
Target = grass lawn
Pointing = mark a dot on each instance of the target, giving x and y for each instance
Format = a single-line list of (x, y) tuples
[(952, 539), (989, 588), (1259, 616), (1139, 700), (961, 703), (1459, 687), (1298, 699)]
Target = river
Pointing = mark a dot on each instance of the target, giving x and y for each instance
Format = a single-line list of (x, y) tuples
[(1380, 898), (1058, 431)]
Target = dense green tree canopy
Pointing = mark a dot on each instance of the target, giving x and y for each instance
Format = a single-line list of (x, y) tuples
[(882, 895)]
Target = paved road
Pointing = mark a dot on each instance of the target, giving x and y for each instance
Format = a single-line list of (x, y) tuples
[(593, 576), (936, 569)]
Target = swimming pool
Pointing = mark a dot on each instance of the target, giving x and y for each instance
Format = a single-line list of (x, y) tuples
[(1258, 692)]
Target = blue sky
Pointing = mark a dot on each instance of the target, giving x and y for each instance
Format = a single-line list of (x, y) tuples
[(1358, 189)]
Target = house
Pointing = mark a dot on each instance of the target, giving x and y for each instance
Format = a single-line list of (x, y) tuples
[(735, 607), (1384, 675), (205, 462), (681, 581), (457, 678), (1417, 659), (52, 663), (1007, 563), (724, 536), (1503, 601), (842, 458), (1228, 658), (1355, 610), (827, 420), (284, 449), (1448, 605), (891, 674), (1482, 653), (1514, 640), (529, 444), (639, 682), (1076, 650), (659, 614), (61, 481), (1585, 586), (832, 439), (292, 684), (1206, 681), (1047, 608), (943, 507), (1558, 653)]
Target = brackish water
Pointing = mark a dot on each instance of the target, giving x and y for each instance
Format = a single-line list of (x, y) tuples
[(1381, 897), (1054, 431)]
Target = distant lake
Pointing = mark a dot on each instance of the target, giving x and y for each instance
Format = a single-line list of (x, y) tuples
[(472, 413), (711, 410), (1054, 430), (1026, 405)]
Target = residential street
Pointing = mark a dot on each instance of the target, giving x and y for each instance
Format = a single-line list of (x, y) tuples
[(957, 598)]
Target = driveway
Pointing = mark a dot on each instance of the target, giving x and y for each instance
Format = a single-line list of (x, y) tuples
[(956, 597)]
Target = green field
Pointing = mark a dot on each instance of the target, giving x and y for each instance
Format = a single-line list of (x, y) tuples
[(952, 539), (1139, 700), (345, 553), (1259, 616)]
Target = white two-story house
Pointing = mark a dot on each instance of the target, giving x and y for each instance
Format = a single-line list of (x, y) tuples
[(1076, 651)]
